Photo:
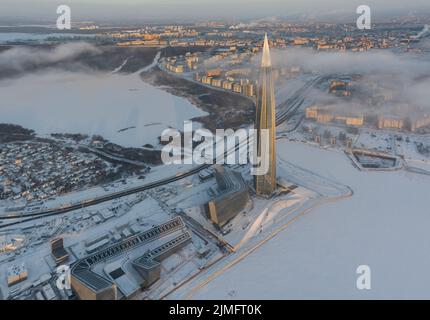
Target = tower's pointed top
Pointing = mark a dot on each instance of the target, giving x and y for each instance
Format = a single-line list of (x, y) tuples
[(266, 61)]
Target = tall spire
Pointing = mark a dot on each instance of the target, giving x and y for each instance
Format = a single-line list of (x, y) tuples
[(266, 61), (265, 184)]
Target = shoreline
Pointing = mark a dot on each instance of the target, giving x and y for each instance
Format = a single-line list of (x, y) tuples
[(214, 102)]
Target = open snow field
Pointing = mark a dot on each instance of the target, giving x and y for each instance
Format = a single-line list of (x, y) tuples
[(384, 225)]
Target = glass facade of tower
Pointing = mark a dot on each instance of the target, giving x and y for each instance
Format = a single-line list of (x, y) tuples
[(265, 184)]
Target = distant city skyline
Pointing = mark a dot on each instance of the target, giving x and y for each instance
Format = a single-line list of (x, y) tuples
[(116, 10)]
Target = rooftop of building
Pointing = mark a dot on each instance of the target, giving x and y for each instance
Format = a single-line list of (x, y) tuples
[(91, 270), (228, 182)]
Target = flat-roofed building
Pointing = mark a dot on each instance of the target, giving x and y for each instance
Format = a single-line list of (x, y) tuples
[(149, 265), (356, 121), (300, 41), (328, 114), (58, 252), (227, 85), (229, 198), (213, 72), (113, 272), (418, 122), (216, 83), (249, 89), (207, 80), (92, 286), (390, 122), (311, 112), (16, 274), (325, 117), (237, 87)]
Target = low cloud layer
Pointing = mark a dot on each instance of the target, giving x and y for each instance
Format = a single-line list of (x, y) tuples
[(21, 58), (423, 32), (407, 75), (372, 62)]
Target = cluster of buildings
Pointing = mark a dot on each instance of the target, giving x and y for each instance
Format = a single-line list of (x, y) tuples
[(114, 265), (331, 114), (243, 86), (230, 57), (229, 73), (182, 63), (43, 276), (178, 36), (152, 36), (354, 118), (340, 88), (344, 44), (33, 171), (226, 69), (22, 284), (326, 40), (240, 80), (186, 43), (41, 288), (16, 274), (124, 268), (412, 122), (10, 243), (319, 37), (207, 69), (371, 110), (419, 121), (391, 122)]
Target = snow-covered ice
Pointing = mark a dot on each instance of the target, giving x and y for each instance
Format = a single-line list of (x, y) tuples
[(103, 104), (383, 225)]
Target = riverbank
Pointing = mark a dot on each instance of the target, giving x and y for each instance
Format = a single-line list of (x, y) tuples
[(226, 110)]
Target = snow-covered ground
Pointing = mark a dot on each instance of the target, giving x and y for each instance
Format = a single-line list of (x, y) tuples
[(103, 104), (383, 225)]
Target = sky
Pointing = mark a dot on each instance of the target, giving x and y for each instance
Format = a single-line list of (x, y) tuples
[(197, 9)]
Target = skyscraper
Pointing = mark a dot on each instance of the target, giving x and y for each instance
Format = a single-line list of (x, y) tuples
[(265, 184)]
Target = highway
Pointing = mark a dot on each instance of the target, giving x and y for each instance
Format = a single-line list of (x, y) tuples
[(292, 104), (284, 110)]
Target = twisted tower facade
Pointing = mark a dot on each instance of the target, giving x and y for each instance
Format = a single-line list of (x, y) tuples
[(265, 184)]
